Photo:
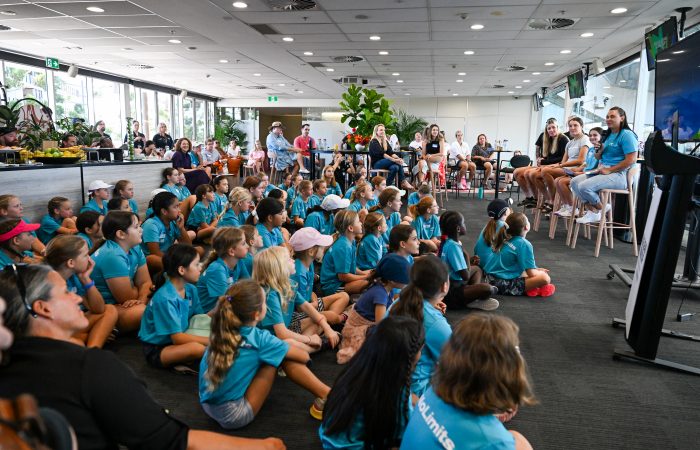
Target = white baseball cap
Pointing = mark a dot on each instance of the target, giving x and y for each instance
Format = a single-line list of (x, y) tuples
[(332, 202), (155, 192), (401, 191), (308, 237), (99, 184)]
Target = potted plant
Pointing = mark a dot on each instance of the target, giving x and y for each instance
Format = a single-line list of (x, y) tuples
[(363, 109), (407, 125)]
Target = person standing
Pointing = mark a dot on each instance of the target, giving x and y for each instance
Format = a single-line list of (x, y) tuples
[(139, 138), (162, 139), (305, 143)]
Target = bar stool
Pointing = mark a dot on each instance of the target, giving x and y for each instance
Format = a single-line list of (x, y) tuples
[(553, 221), (537, 214), (439, 192)]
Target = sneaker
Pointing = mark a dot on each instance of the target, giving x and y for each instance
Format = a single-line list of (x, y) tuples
[(564, 211), (533, 292), (303, 170), (589, 217), (184, 370), (547, 290), (608, 207), (463, 185), (468, 186), (525, 201), (485, 305), (316, 409)]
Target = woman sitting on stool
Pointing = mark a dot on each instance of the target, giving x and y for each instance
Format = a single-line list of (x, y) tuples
[(384, 158)]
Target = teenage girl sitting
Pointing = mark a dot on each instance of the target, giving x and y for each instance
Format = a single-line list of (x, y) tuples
[(302, 203), (498, 210), (339, 269), (16, 238), (98, 192), (271, 215), (125, 189), (426, 224), (89, 224), (164, 228), (372, 248), (390, 206), (59, 220), (11, 208), (403, 241), (321, 217), (239, 208), (203, 217)]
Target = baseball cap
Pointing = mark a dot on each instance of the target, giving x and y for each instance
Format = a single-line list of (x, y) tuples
[(155, 192), (99, 184), (21, 227), (393, 267), (498, 207), (308, 237), (332, 202), (401, 191)]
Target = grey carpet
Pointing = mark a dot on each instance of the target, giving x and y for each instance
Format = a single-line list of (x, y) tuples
[(586, 400)]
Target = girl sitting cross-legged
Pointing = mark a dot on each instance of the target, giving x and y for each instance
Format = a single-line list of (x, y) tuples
[(339, 270), (59, 220), (372, 248), (164, 228), (203, 217), (426, 224), (321, 217), (270, 215)]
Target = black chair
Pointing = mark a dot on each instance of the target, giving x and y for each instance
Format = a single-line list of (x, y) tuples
[(516, 162)]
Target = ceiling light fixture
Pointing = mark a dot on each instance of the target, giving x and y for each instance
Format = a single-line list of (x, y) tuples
[(549, 64), (469, 52), (375, 38), (95, 9), (461, 74), (407, 93), (678, 52), (518, 87), (618, 10), (536, 73), (395, 74), (383, 53), (585, 35), (659, 60), (399, 81), (330, 69), (455, 95), (606, 87), (511, 92), (288, 39), (257, 74), (565, 52), (175, 41), (300, 92), (526, 81), (623, 81), (281, 85), (8, 13), (223, 61), (460, 81), (308, 53), (477, 26), (240, 5)]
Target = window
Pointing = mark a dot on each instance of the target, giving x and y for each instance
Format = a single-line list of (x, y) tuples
[(188, 118), (107, 97), (200, 118), (165, 109), (25, 81), (177, 128), (554, 106), (149, 118), (210, 119), (70, 96)]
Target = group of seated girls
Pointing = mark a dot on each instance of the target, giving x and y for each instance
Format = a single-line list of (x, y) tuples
[(250, 302)]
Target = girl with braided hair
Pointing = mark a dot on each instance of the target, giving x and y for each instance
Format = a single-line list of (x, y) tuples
[(240, 364)]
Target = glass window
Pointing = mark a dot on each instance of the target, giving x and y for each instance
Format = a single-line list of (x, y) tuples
[(149, 117), (107, 96), (188, 118), (649, 112), (554, 105), (25, 81), (177, 129), (200, 114), (70, 96), (210, 119), (165, 109)]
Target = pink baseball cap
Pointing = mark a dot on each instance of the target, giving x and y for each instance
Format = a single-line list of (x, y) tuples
[(308, 237), (22, 227)]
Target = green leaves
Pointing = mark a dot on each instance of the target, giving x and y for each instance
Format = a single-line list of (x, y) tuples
[(364, 108), (407, 125)]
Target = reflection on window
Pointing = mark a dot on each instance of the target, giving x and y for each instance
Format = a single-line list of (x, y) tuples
[(553, 103), (107, 97), (188, 118), (200, 114), (149, 118), (177, 129), (165, 109), (70, 96), (210, 119), (25, 81)]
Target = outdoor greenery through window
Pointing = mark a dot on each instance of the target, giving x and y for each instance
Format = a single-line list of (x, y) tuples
[(70, 97), (107, 96), (25, 81)]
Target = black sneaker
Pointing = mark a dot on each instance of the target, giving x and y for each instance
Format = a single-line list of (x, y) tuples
[(527, 201)]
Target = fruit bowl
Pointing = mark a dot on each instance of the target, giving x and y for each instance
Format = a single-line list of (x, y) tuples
[(57, 160)]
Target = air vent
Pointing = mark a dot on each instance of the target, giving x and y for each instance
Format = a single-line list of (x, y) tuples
[(256, 87), (264, 29), (352, 80), (551, 24), (4, 28), (497, 86), (511, 68), (380, 86), (291, 5), (139, 66), (347, 59), (316, 64)]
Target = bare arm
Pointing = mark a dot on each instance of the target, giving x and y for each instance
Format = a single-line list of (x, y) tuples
[(122, 290), (184, 338), (207, 440), (143, 282), (630, 159)]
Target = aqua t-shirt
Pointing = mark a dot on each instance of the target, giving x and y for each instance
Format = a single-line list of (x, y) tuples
[(200, 214), (111, 261), (214, 281), (413, 199), (48, 229), (437, 333), (483, 250), (134, 206), (427, 229), (349, 192), (167, 313), (314, 200), (515, 257), (357, 206), (300, 206), (154, 230), (276, 314), (336, 190), (391, 221), (370, 251), (617, 146), (87, 239), (457, 428), (257, 347), (318, 221), (93, 206), (231, 219), (270, 238), (247, 262), (453, 255), (304, 279), (340, 258), (220, 202)]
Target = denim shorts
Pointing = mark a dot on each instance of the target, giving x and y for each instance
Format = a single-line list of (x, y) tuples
[(231, 415)]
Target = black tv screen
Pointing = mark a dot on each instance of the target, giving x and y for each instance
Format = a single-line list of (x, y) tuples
[(537, 102), (678, 90), (659, 39), (577, 87)]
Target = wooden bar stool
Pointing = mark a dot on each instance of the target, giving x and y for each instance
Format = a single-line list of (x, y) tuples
[(553, 221), (607, 224)]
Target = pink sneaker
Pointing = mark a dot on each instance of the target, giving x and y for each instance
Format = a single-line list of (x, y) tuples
[(547, 290), (533, 292)]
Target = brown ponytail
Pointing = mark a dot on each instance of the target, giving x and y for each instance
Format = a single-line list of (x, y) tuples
[(515, 226)]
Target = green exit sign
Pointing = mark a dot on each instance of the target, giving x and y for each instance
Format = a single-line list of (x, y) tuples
[(271, 98), (52, 63)]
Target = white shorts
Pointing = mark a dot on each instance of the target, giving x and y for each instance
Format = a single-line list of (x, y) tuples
[(232, 414)]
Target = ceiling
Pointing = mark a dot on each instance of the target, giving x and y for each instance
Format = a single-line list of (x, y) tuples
[(425, 41)]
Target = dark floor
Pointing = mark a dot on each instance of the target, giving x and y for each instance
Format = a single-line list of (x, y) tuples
[(587, 400)]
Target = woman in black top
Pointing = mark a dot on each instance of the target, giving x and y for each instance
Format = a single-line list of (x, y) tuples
[(433, 152), (384, 158), (139, 138), (162, 139), (553, 149)]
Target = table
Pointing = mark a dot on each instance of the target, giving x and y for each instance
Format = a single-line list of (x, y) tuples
[(498, 167)]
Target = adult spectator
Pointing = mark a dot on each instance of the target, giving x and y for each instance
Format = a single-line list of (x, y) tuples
[(384, 158), (481, 155), (233, 150), (195, 173), (209, 154), (305, 143), (100, 127), (433, 152), (139, 138), (149, 148), (618, 153), (100, 396), (69, 140), (460, 156), (162, 139), (281, 150)]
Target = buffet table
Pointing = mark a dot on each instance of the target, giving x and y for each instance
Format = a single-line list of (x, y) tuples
[(37, 184)]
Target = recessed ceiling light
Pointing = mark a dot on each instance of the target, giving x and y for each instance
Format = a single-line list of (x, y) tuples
[(461, 74), (175, 41), (455, 95), (678, 52), (659, 60), (281, 85), (536, 73), (8, 13), (95, 9), (477, 26), (549, 64), (606, 87), (518, 87), (618, 10), (399, 81), (308, 53), (586, 34), (300, 92), (460, 81), (240, 5), (526, 81), (330, 69), (623, 81), (565, 52), (407, 93), (223, 61), (257, 74), (511, 92), (375, 38), (288, 39), (395, 74), (383, 53), (469, 52)]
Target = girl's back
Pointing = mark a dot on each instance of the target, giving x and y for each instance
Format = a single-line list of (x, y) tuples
[(516, 256)]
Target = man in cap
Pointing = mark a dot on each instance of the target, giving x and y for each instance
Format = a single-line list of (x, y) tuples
[(281, 149)]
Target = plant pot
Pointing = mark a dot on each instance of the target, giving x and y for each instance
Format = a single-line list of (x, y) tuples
[(359, 147), (234, 165)]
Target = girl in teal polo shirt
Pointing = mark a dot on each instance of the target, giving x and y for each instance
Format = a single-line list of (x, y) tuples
[(203, 217), (331, 183), (302, 203), (361, 197), (163, 229), (59, 220), (390, 206), (223, 266), (271, 215), (498, 211), (426, 224), (240, 365), (125, 189), (98, 193), (89, 224), (512, 267), (171, 178), (320, 190), (480, 378), (255, 244), (120, 273), (321, 217), (339, 269), (220, 194), (166, 319), (239, 208), (372, 248), (16, 239)]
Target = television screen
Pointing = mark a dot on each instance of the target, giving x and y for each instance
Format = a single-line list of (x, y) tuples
[(577, 87), (678, 90), (537, 101), (659, 39)]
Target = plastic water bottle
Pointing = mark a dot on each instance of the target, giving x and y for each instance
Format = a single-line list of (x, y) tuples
[(481, 192)]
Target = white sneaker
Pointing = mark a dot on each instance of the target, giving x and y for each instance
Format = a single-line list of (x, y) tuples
[(589, 217), (303, 170), (468, 186), (608, 207), (564, 211), (485, 305)]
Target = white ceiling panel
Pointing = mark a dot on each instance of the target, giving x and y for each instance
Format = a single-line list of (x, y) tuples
[(272, 18), (52, 23), (128, 21), (89, 33), (381, 15), (111, 8), (26, 11), (482, 12), (589, 9), (294, 29), (489, 26), (168, 32), (390, 27)]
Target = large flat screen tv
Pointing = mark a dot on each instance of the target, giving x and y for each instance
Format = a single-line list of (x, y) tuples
[(577, 86), (678, 90), (659, 39)]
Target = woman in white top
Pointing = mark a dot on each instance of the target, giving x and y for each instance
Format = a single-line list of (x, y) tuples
[(574, 156), (460, 156), (233, 150), (417, 142)]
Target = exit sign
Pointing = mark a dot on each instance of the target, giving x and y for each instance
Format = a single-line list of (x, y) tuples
[(52, 63), (271, 98)]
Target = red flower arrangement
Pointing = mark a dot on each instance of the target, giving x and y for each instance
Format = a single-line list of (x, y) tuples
[(358, 138), (218, 166)]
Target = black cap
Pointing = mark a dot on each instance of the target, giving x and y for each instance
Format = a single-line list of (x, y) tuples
[(497, 208)]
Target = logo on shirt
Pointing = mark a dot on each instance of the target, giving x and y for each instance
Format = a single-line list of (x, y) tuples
[(438, 430)]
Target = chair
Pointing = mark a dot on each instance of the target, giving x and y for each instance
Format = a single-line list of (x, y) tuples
[(516, 162), (439, 192), (554, 220), (381, 172)]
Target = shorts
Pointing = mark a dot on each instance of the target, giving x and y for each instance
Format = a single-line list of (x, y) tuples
[(516, 286), (297, 317), (434, 167), (152, 353), (232, 414), (480, 164)]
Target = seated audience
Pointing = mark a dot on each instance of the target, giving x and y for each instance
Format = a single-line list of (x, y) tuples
[(339, 270), (98, 193), (16, 239), (59, 220)]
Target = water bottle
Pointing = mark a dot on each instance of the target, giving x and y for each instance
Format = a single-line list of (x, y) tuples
[(481, 192)]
